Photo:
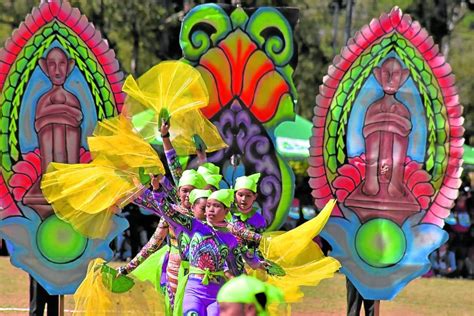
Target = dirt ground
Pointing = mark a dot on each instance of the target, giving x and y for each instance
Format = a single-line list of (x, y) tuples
[(421, 297)]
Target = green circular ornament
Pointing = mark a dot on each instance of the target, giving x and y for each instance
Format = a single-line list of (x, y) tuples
[(58, 241), (380, 243)]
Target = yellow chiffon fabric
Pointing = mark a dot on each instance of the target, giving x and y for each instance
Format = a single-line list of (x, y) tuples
[(117, 141), (178, 89), (300, 257), (88, 195), (183, 127), (94, 298)]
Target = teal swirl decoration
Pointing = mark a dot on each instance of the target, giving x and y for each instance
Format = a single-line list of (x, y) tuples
[(202, 28), (274, 35), (272, 32)]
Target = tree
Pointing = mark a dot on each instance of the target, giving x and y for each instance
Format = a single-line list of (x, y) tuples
[(137, 21), (12, 12), (439, 17), (145, 32)]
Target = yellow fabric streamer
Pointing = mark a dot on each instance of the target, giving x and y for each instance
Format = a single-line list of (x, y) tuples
[(178, 90), (88, 195), (183, 127), (117, 141), (172, 85), (84, 195), (300, 257), (96, 297)]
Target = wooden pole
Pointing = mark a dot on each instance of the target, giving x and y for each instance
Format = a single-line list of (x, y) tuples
[(377, 308), (61, 305)]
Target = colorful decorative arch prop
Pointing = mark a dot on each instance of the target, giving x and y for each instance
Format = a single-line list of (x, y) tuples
[(57, 78), (247, 59), (387, 143)]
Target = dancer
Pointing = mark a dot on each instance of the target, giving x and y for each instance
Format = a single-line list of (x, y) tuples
[(188, 181), (174, 263), (210, 173), (213, 250), (172, 93), (207, 170), (246, 295), (198, 200), (246, 214)]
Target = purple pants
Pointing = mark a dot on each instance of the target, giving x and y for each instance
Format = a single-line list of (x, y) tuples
[(200, 299)]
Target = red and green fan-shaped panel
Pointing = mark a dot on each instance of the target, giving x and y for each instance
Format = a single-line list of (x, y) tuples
[(247, 59), (393, 34), (44, 244)]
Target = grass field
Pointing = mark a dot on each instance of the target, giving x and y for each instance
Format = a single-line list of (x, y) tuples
[(421, 297)]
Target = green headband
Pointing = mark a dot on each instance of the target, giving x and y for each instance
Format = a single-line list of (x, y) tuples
[(197, 194), (213, 179), (225, 196), (242, 289), (191, 177), (247, 182), (209, 167)]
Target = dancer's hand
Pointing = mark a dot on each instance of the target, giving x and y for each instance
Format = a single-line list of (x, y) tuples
[(165, 135), (264, 265), (274, 269), (136, 182), (201, 155), (121, 271), (165, 128), (155, 181)]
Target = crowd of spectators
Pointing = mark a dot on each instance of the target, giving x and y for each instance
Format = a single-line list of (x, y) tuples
[(455, 259)]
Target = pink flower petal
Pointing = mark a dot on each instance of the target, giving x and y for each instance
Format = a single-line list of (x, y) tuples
[(417, 177), (343, 182), (352, 172)]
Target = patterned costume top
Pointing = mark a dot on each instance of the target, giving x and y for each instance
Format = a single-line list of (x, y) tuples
[(252, 221), (173, 163), (176, 171), (167, 191), (211, 250)]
